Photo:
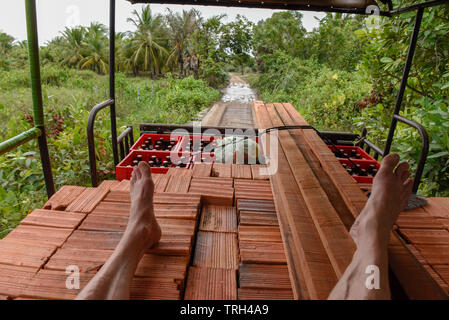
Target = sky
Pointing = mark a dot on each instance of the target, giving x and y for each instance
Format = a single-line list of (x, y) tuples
[(54, 15)]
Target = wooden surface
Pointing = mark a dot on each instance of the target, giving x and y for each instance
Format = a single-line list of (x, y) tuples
[(228, 231), (314, 193)]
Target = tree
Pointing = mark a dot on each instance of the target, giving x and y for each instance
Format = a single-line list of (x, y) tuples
[(282, 31), (71, 45), (237, 38), (6, 44), (147, 42), (95, 49), (182, 27), (208, 45)]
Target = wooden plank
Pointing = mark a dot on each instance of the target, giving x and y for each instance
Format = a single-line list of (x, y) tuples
[(260, 276), (437, 278), (50, 284), (20, 254), (414, 279), (202, 170), (123, 186), (160, 184), (311, 278), (154, 289), (157, 266), (262, 252), (254, 218), (166, 197), (262, 294), (218, 219), (443, 271), (178, 184), (179, 244), (426, 236), (418, 219), (211, 284), (171, 211), (335, 237), (87, 260), (87, 200), (241, 171), (63, 197), (216, 250), (214, 191), (34, 235), (434, 253), (252, 189), (259, 234), (109, 184), (351, 194), (221, 170), (437, 207), (55, 219), (255, 205), (255, 171), (13, 280), (119, 223)]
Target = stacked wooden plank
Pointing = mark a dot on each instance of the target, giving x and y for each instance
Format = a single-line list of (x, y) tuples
[(213, 275), (252, 189), (34, 257), (263, 272), (427, 235), (317, 202), (215, 191)]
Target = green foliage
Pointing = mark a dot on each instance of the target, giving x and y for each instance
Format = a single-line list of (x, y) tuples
[(349, 79), (68, 96), (237, 38), (426, 98), (326, 97)]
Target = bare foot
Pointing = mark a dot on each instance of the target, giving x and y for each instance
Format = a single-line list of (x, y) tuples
[(142, 221), (389, 196)]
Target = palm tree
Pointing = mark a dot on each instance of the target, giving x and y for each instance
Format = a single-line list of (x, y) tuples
[(72, 43), (182, 26), (94, 49), (147, 42)]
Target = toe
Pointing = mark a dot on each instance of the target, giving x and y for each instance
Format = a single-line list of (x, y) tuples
[(389, 162), (405, 175), (402, 168), (137, 172), (145, 169)]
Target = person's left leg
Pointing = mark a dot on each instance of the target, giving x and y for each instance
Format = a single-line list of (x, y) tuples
[(143, 231)]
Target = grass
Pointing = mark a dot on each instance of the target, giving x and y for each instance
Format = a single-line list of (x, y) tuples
[(68, 97)]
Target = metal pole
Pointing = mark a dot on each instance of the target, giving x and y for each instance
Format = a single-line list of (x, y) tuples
[(112, 79), (408, 64), (36, 88)]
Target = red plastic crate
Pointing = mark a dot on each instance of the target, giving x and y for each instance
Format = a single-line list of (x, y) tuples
[(347, 150), (364, 164), (156, 137), (124, 172)]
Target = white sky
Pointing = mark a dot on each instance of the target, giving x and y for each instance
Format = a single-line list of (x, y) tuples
[(54, 15)]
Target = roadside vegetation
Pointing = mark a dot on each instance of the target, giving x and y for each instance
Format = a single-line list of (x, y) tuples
[(343, 75)]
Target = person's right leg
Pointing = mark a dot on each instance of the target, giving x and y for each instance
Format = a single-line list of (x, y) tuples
[(371, 232)]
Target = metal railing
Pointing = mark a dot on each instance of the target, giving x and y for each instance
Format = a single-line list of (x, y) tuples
[(91, 139), (125, 141)]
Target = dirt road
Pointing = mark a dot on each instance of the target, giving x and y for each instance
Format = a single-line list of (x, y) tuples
[(235, 107)]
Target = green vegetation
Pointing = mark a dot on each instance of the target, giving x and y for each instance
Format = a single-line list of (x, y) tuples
[(68, 97), (345, 74)]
